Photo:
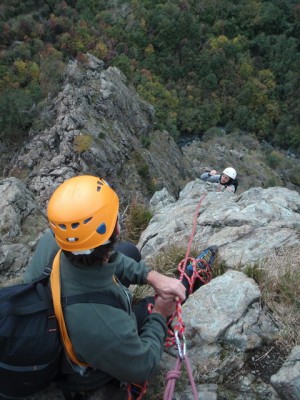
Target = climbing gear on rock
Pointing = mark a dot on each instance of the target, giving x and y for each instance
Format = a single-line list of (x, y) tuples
[(83, 213)]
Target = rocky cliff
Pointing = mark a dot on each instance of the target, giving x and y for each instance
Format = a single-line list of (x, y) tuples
[(97, 124)]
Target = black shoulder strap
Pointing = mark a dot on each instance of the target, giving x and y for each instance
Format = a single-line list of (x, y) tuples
[(11, 304), (92, 297), (11, 309), (235, 182)]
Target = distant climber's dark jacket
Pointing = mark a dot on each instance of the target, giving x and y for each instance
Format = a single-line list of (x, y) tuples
[(231, 184), (103, 336)]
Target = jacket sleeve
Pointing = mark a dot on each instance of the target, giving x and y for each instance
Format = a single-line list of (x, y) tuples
[(42, 257), (129, 271), (231, 188), (118, 350), (210, 178)]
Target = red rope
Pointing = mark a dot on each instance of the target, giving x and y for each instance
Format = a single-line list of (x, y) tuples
[(171, 378), (205, 276), (136, 389), (179, 326), (173, 375)]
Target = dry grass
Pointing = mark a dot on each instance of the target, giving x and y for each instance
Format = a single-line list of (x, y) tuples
[(167, 261), (135, 220), (278, 277)]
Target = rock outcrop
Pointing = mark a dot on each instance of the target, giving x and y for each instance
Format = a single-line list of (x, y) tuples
[(287, 380), (21, 222), (97, 124), (246, 227)]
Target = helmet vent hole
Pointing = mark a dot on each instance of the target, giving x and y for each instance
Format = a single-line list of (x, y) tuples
[(99, 185), (75, 225), (63, 227), (101, 228), (86, 221)]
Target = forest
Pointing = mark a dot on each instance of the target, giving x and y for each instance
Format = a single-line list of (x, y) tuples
[(200, 63)]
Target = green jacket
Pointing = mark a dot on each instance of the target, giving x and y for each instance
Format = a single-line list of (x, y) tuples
[(103, 336)]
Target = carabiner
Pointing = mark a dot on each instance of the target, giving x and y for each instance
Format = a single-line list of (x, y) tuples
[(181, 346)]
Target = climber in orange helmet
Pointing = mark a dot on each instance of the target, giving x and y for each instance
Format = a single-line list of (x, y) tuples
[(124, 343)]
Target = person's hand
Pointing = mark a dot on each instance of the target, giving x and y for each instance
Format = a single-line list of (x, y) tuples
[(213, 172), (166, 287), (164, 307)]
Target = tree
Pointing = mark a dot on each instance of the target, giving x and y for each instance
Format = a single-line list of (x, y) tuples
[(17, 111)]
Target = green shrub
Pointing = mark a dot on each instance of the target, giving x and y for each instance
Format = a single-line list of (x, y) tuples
[(271, 182), (294, 176), (215, 132), (274, 159), (146, 142)]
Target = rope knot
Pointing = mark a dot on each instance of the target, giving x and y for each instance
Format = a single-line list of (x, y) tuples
[(174, 374)]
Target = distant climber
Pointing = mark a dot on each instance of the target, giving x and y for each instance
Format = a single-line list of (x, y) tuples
[(226, 179)]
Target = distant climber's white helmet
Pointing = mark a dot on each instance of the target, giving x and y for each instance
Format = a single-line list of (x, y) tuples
[(231, 172)]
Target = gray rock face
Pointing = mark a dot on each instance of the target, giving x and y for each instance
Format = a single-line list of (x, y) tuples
[(223, 321), (246, 227), (287, 380), (21, 222)]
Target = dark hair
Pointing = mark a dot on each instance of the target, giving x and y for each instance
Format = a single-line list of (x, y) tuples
[(97, 257), (231, 181)]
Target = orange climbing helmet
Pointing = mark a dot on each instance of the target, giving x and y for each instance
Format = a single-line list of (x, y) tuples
[(83, 213)]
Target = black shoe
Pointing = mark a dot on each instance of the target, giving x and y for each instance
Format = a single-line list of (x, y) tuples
[(207, 257), (204, 262)]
